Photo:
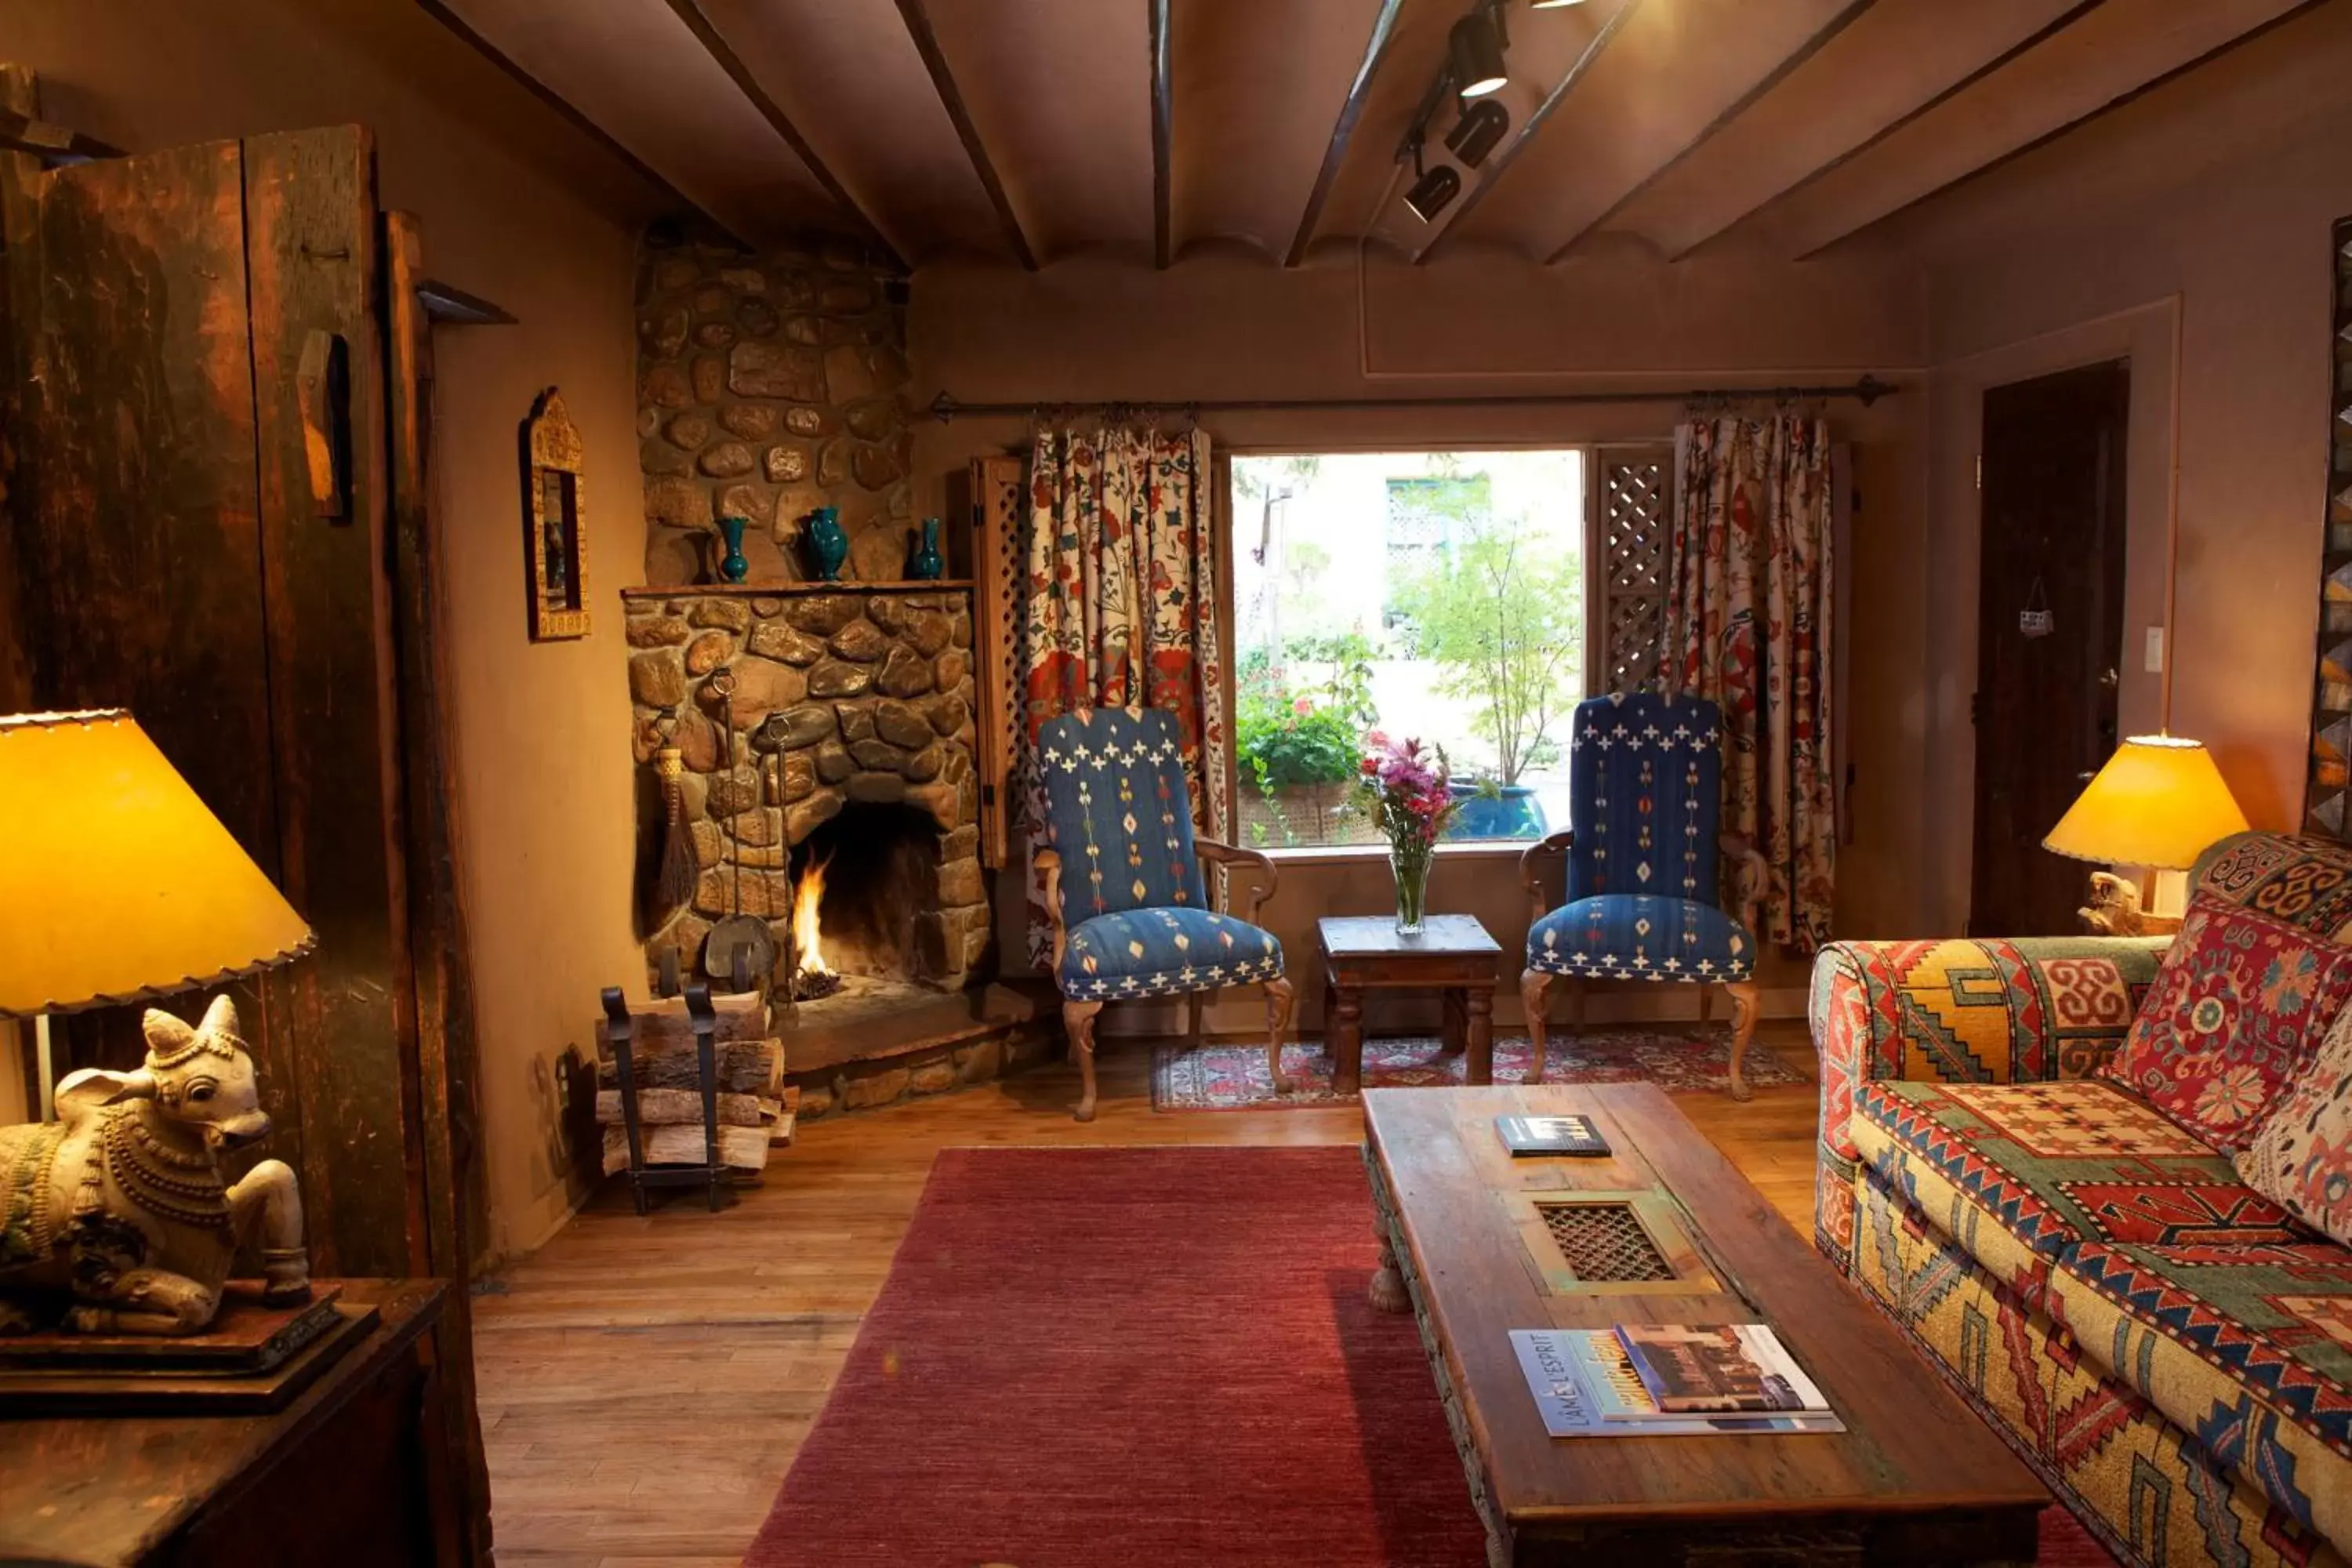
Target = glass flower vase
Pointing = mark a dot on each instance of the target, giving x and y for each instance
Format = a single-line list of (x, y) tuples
[(1410, 866)]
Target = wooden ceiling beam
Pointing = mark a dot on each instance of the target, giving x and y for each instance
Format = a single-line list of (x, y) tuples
[(927, 44), (1809, 232), (1771, 79), (1164, 196), (715, 46), (572, 114), (1500, 164), (2048, 30), (1351, 109)]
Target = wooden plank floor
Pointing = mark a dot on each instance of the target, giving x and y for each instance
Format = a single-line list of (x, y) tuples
[(645, 1383)]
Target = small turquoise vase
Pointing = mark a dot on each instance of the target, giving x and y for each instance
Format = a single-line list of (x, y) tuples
[(734, 566), (828, 545), (927, 564)]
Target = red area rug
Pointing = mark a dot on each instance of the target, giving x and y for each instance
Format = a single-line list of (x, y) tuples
[(1160, 1357), (1232, 1075)]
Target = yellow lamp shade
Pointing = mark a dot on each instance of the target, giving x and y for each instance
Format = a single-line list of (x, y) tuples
[(2160, 802), (120, 885)]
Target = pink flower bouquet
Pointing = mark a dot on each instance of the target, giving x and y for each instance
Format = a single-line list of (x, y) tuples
[(1406, 790)]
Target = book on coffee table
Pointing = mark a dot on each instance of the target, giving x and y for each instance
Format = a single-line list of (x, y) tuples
[(1718, 1367), (1585, 1387), (1550, 1135)]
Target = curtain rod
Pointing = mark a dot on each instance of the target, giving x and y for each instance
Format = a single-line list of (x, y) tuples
[(1866, 391)]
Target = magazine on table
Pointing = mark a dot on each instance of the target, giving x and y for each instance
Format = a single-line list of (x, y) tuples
[(1550, 1135), (1690, 1369), (1585, 1386)]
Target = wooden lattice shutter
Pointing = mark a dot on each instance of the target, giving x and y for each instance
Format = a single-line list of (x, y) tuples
[(996, 600), (1633, 504)]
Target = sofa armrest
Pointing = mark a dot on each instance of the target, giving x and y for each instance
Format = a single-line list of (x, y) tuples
[(1969, 1011)]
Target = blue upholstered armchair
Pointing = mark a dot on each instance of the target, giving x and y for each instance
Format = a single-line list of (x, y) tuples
[(1124, 886), (1645, 783)]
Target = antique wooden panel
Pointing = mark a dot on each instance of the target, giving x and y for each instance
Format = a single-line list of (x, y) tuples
[(21, 257), (139, 546), (2327, 791), (313, 267), (997, 595), (440, 971)]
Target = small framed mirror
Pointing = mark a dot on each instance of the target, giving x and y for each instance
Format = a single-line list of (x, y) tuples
[(554, 525)]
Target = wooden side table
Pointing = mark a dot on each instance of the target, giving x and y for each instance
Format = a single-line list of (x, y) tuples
[(1452, 954)]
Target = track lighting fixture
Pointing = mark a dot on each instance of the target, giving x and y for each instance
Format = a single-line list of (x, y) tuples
[(1432, 191), (1473, 51), (1431, 188), (1476, 131)]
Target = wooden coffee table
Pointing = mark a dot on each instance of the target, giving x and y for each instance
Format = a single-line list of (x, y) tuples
[(1468, 1244), (1452, 954)]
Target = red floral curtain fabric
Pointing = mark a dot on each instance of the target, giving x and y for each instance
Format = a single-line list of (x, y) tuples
[(1120, 606), (1747, 625)]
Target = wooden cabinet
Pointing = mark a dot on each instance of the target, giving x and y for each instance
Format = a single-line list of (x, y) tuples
[(357, 1471)]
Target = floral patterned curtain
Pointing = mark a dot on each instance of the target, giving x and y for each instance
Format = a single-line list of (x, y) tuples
[(1120, 607), (1747, 625)]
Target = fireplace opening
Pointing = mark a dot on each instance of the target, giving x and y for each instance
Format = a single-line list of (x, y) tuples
[(858, 881)]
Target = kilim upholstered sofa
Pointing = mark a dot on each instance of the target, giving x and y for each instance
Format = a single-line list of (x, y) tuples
[(2165, 1346)]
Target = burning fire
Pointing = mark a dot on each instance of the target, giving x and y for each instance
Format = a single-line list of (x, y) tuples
[(808, 936)]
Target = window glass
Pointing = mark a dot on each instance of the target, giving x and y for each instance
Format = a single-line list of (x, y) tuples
[(1433, 594)]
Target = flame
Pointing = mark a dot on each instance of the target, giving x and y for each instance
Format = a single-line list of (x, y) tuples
[(808, 936)]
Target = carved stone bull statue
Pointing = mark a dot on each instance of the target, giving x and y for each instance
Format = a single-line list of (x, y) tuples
[(117, 1211)]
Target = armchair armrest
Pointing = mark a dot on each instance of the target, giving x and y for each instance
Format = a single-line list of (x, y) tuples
[(1048, 863), (1211, 851), (1531, 870)]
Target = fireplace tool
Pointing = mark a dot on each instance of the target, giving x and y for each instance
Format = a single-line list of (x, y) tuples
[(740, 949), (674, 888)]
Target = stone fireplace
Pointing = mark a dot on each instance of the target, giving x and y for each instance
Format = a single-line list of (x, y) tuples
[(824, 727)]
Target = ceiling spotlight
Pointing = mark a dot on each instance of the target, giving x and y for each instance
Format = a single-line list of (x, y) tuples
[(1432, 191), (1553, 4), (1475, 48), (1477, 130)]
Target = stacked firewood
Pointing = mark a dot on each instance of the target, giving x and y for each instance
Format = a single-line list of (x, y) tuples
[(755, 1108)]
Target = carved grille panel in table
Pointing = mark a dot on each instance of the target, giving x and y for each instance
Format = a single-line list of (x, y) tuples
[(1636, 528), (1604, 1242)]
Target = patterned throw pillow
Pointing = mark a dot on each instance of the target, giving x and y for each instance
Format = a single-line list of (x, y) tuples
[(2300, 1157), (2236, 1010)]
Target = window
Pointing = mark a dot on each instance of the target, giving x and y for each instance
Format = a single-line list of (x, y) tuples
[(1425, 516), (1464, 626)]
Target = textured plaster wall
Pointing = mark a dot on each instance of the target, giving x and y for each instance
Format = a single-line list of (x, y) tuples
[(2204, 206), (520, 208)]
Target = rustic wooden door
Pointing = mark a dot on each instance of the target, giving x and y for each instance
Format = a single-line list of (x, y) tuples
[(2049, 634)]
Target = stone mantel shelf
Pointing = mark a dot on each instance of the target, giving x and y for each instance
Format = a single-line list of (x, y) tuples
[(779, 590)]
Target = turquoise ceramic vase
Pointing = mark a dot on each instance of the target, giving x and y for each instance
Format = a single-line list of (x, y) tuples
[(734, 566), (828, 545), (927, 564)]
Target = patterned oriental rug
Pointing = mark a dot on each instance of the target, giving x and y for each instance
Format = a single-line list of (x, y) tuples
[(1231, 1075), (1162, 1356)]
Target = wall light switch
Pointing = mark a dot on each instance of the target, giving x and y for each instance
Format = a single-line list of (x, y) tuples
[(2154, 662)]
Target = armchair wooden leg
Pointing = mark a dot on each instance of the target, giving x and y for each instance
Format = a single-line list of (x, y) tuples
[(1078, 1022), (1743, 1029), (1706, 1005), (1279, 1002), (1534, 986), (1192, 1008)]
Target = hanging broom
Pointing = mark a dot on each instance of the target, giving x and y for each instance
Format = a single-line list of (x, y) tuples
[(675, 886)]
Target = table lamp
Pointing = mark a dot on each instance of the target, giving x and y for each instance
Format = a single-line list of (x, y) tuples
[(120, 885), (2158, 803)]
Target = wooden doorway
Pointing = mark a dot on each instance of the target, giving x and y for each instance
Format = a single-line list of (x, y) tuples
[(2049, 633)]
